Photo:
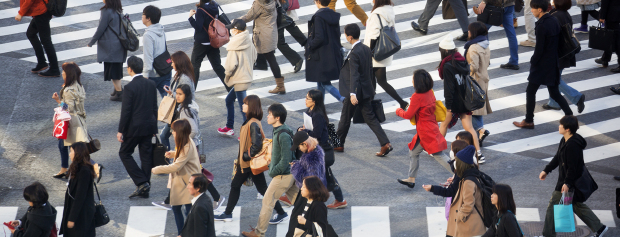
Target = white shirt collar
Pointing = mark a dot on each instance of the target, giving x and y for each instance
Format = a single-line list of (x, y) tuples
[(357, 42), (134, 76), (196, 198)]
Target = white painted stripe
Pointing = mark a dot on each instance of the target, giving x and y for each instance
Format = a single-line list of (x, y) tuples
[(146, 221), (437, 223), (4, 0), (370, 221), (598, 153), (59, 211), (231, 228), (527, 214), (606, 217), (282, 228), (7, 214), (11, 12), (548, 139)]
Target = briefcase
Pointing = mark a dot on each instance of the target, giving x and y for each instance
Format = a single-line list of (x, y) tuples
[(602, 39), (159, 153), (377, 107)]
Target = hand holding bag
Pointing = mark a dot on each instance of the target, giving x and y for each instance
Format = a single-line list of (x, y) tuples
[(101, 215), (563, 217), (492, 15), (601, 38), (387, 44), (159, 153), (166, 109), (377, 108)]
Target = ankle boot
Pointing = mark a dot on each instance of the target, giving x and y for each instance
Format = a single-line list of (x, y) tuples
[(117, 97), (279, 86)]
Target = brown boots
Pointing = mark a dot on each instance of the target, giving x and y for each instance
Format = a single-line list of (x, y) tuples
[(279, 86)]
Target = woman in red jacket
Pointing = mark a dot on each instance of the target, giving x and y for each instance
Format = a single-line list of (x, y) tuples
[(428, 137), (40, 24)]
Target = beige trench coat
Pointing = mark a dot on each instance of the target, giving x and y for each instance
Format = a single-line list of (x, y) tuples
[(464, 220), (74, 97), (180, 171), (478, 59)]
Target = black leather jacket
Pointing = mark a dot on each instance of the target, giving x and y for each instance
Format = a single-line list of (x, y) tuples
[(257, 142)]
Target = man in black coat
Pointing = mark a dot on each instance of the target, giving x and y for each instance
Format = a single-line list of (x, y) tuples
[(545, 67), (569, 161), (137, 127), (199, 221), (356, 86), (610, 15)]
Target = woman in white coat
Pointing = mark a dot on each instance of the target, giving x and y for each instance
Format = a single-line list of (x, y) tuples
[(382, 14)]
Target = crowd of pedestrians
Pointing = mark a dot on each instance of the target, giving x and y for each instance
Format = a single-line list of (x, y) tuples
[(300, 159)]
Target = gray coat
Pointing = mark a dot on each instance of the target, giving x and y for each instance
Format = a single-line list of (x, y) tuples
[(263, 13), (109, 48)]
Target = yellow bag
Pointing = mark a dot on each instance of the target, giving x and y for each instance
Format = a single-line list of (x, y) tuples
[(440, 112)]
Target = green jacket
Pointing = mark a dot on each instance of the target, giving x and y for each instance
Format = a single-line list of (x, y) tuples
[(281, 154)]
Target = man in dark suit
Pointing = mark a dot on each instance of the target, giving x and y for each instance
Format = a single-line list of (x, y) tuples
[(199, 221), (356, 86), (137, 127)]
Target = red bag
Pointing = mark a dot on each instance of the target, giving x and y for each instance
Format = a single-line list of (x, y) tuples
[(293, 5), (60, 128), (218, 34), (208, 174), (54, 232)]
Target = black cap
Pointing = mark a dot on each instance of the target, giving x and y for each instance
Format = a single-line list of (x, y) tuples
[(299, 138), (237, 24)]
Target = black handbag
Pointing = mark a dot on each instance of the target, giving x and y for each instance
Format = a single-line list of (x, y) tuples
[(569, 44), (584, 186), (222, 16), (387, 43), (474, 97), (163, 63), (519, 4), (333, 137), (159, 153), (492, 15), (377, 107), (283, 20), (332, 184), (94, 145), (101, 215), (447, 11), (602, 39)]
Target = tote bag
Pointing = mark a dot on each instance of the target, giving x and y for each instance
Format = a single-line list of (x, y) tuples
[(377, 107), (440, 112), (159, 153), (387, 44), (166, 109), (601, 38), (563, 217)]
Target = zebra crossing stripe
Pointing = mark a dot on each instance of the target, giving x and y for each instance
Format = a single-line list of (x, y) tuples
[(59, 211), (437, 222), (370, 221), (7, 214), (146, 221), (598, 153), (229, 228), (282, 228)]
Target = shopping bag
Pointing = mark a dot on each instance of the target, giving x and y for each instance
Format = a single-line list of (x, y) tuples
[(448, 203), (563, 216), (61, 129), (166, 109), (601, 38)]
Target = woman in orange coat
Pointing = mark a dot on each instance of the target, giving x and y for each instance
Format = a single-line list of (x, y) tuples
[(428, 137)]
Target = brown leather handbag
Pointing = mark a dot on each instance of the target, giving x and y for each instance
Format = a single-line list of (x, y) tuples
[(218, 34)]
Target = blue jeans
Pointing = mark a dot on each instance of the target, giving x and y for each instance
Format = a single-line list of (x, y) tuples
[(160, 82), (323, 86), (510, 34), (230, 106), (477, 122), (179, 217), (64, 153), (570, 93), (164, 136)]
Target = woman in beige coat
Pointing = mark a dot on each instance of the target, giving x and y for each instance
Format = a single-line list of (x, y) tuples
[(73, 95), (464, 220), (186, 163), (478, 56)]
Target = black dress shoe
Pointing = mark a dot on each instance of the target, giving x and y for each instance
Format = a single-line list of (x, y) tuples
[(580, 105), (617, 178), (298, 66), (262, 68), (548, 107), (600, 61), (615, 89), (408, 184), (509, 66), (39, 68), (463, 37), (142, 191), (484, 135), (60, 176), (49, 73), (615, 70), (417, 28), (100, 173)]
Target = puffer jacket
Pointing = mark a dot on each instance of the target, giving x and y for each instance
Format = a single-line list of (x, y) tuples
[(373, 29), (265, 30), (309, 164), (240, 61)]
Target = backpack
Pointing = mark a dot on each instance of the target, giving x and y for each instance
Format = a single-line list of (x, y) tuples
[(260, 162), (218, 34), (127, 34), (474, 97), (485, 183), (56, 7)]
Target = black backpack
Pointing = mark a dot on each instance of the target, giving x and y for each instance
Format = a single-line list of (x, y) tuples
[(485, 183), (474, 97), (127, 34), (56, 7)]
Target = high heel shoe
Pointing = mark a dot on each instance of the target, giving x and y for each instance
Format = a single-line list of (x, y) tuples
[(60, 176), (100, 173)]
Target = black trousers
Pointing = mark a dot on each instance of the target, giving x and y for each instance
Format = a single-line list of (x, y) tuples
[(237, 182), (291, 55), (613, 26), (584, 16), (273, 63), (198, 54), (41, 25), (139, 174), (381, 78), (348, 110), (530, 98)]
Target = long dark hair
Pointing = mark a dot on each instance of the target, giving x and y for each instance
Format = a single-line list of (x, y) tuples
[(505, 201), (183, 129), (114, 5), (183, 65), (445, 53), (73, 74), (380, 3), (188, 99), (81, 159), (319, 104), (255, 110)]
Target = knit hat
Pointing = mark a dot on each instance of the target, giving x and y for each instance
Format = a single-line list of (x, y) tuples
[(467, 154), (447, 43)]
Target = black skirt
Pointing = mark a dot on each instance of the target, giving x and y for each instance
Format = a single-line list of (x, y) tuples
[(112, 71)]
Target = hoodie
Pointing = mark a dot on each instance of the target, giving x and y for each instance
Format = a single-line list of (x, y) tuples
[(194, 121), (373, 29), (309, 164), (154, 44), (569, 159), (37, 222), (240, 61), (263, 13), (453, 72)]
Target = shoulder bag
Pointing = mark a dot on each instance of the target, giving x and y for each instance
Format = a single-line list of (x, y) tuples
[(387, 44), (440, 112), (601, 38), (492, 15), (218, 34), (584, 186), (163, 63), (282, 20), (222, 16), (93, 145), (101, 215), (260, 162), (474, 96)]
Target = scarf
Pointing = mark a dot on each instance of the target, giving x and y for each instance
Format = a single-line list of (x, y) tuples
[(478, 39), (457, 57)]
